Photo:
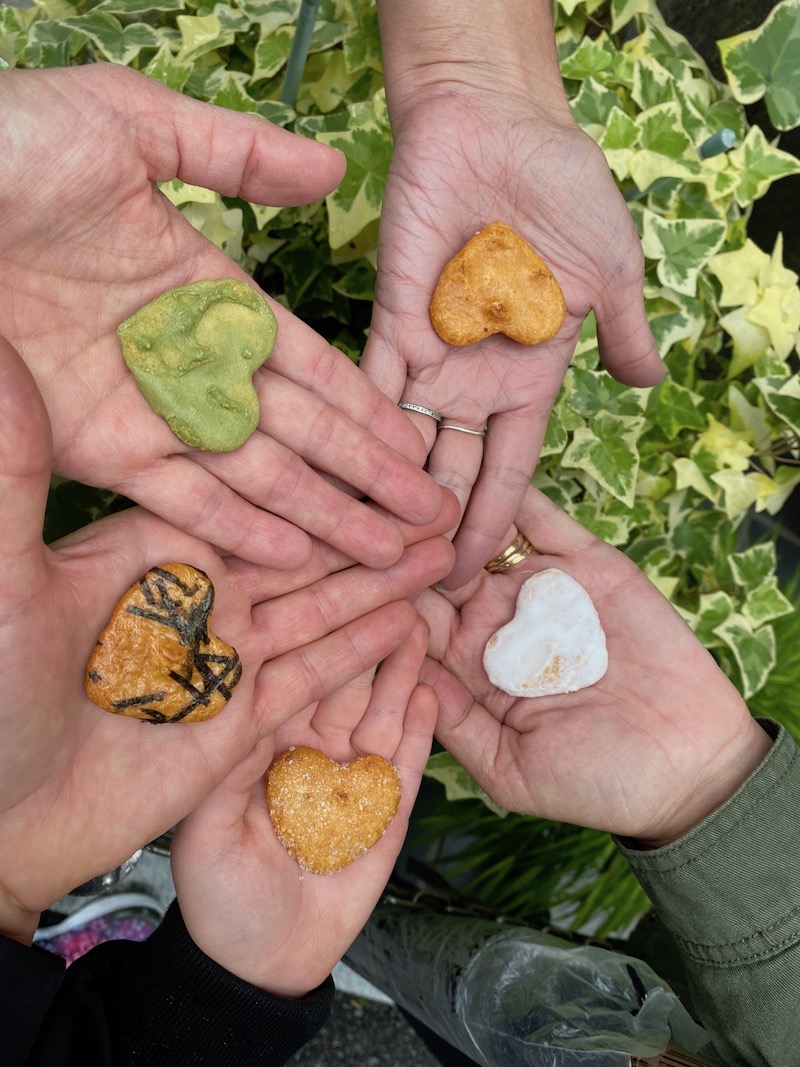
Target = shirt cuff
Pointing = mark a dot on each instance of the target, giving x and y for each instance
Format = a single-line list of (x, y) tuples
[(728, 890)]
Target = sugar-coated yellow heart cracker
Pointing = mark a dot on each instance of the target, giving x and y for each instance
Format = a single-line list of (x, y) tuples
[(497, 283), (327, 814)]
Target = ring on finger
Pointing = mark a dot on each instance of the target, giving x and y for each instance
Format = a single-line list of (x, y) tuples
[(422, 410), (519, 549), (462, 429)]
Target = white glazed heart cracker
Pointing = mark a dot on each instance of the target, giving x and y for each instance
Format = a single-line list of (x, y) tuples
[(554, 643)]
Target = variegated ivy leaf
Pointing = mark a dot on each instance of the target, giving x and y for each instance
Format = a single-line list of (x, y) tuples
[(271, 53), (590, 58), (766, 62), (622, 11), (166, 69), (458, 784), (136, 7), (651, 82), (674, 317), (594, 392), (757, 164), (116, 43), (783, 397), (681, 247), (713, 609), (766, 603), (753, 650), (232, 93), (362, 45), (675, 408), (592, 107), (618, 141), (754, 565), (607, 451), (787, 479), (47, 44), (729, 448), (358, 199), (749, 418), (613, 529), (202, 34), (741, 491)]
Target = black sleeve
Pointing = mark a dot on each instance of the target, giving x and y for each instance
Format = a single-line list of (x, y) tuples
[(164, 1003)]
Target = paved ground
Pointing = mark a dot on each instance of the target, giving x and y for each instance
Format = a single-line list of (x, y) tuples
[(364, 1033)]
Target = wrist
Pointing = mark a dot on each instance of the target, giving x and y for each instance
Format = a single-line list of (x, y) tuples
[(17, 922), (712, 787), (451, 47)]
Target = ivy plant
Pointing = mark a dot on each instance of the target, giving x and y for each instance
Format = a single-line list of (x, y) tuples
[(667, 474)]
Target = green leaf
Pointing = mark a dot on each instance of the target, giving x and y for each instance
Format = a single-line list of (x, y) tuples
[(592, 106), (753, 650), (457, 783), (362, 46), (757, 164), (676, 408), (607, 451), (166, 69), (681, 247), (595, 392), (358, 199), (591, 57), (271, 53), (232, 93), (765, 603), (118, 44), (201, 34), (766, 62), (754, 565), (48, 45), (783, 397)]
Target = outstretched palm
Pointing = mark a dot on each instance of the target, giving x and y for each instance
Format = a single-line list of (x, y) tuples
[(245, 901), (458, 165), (642, 749), (81, 790), (97, 240)]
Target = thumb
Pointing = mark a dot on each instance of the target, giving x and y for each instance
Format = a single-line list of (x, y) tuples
[(25, 457)]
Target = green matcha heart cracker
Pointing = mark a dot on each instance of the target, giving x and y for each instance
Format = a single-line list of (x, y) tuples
[(193, 352)]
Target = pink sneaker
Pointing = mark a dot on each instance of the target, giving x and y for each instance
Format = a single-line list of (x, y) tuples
[(116, 917)]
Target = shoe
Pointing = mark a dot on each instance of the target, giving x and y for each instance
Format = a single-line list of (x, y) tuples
[(116, 917)]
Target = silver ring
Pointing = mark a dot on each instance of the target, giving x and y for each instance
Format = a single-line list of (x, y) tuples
[(421, 410), (462, 429)]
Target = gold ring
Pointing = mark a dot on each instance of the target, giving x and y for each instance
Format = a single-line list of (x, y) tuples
[(517, 551)]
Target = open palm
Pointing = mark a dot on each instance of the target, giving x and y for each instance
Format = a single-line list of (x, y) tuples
[(645, 752), (459, 164), (81, 790), (244, 899), (97, 240)]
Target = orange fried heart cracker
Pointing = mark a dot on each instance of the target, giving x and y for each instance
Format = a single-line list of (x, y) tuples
[(497, 283), (327, 814), (156, 659)]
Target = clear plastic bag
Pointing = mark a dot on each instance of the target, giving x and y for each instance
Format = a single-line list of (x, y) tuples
[(517, 997)]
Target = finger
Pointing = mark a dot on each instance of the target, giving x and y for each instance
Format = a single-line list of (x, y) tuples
[(263, 583), (237, 154), (198, 502), (627, 346), (25, 458), (510, 452), (296, 679), (335, 718), (328, 439), (455, 463), (412, 753), (382, 725), (550, 529), (464, 727), (306, 359), (292, 620)]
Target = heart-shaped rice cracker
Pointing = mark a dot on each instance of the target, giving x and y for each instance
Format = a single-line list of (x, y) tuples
[(157, 659), (554, 643), (497, 283), (327, 814)]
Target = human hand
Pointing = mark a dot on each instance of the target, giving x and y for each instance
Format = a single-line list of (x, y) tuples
[(80, 789), (244, 900), (646, 752), (97, 240), (474, 143)]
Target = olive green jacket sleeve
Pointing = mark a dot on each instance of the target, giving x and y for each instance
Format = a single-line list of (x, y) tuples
[(729, 891)]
